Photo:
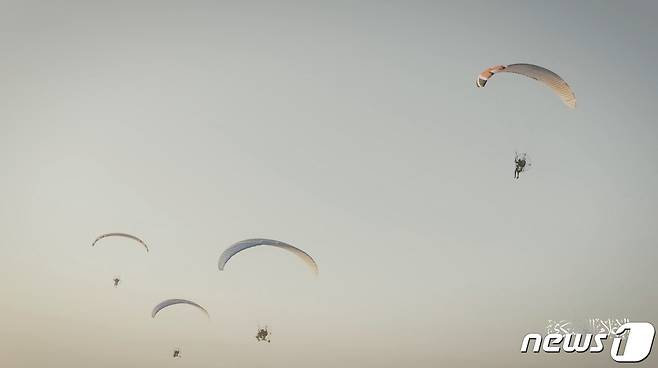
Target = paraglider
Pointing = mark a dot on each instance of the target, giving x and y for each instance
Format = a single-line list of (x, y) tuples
[(249, 243), (550, 79), (117, 279), (263, 334), (169, 302), (133, 237), (520, 164)]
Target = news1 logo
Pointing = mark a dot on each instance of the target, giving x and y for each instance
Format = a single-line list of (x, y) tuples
[(638, 343)]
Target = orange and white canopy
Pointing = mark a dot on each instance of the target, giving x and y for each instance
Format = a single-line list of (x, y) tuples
[(550, 79)]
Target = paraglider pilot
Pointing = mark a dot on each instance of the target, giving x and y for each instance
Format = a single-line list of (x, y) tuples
[(520, 165), (262, 335), (116, 281), (177, 353)]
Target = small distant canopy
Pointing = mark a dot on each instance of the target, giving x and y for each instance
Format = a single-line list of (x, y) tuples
[(547, 77), (169, 302), (250, 243), (124, 235)]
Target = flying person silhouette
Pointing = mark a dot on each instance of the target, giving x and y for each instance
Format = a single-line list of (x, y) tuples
[(520, 162), (263, 334)]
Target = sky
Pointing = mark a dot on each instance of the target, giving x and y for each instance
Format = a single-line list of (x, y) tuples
[(351, 129)]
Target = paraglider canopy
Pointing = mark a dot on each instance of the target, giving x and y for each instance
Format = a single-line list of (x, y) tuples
[(169, 302), (250, 243), (547, 77), (124, 235)]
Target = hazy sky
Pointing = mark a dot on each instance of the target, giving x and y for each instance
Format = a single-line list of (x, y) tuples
[(353, 130)]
